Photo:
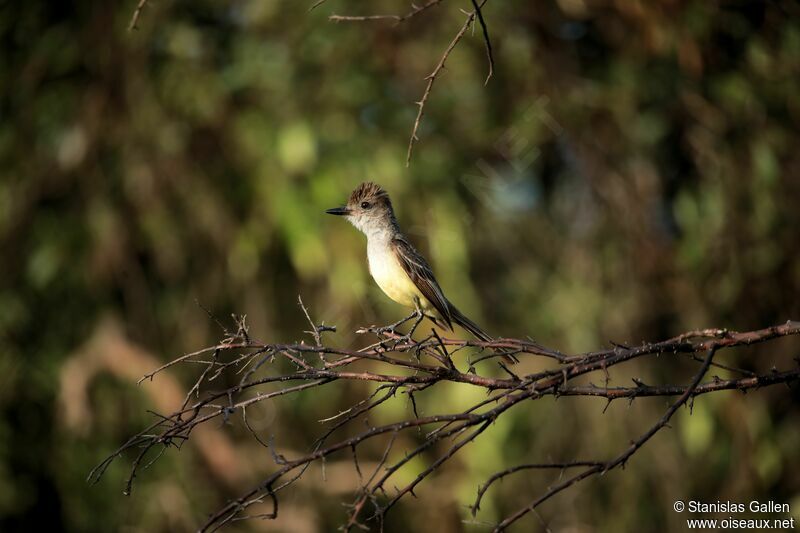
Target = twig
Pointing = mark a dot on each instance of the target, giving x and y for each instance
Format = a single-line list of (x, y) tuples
[(394, 371), (317, 4), (397, 18), (514, 469), (621, 458), (486, 40), (136, 13), (432, 78)]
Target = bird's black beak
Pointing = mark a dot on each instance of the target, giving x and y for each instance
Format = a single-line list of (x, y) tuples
[(341, 211)]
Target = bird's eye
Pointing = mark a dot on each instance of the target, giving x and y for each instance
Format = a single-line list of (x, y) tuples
[(365, 205)]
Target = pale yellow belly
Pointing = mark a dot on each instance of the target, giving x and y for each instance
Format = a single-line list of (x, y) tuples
[(393, 280)]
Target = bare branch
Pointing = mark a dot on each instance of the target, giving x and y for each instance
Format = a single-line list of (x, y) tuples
[(317, 4), (136, 14), (486, 40), (432, 78), (394, 371), (621, 458), (397, 18), (514, 469)]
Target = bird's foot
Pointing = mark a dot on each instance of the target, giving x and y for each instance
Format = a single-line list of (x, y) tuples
[(391, 329)]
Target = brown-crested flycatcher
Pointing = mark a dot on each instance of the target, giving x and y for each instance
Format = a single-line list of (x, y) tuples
[(398, 268)]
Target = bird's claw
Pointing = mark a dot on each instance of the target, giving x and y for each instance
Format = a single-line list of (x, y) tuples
[(386, 330), (391, 329)]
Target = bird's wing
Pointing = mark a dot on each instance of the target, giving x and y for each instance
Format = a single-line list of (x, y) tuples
[(421, 274)]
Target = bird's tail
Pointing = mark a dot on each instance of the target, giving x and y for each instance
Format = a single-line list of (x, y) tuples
[(459, 318)]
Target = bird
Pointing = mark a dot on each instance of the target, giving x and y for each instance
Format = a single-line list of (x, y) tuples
[(397, 267)]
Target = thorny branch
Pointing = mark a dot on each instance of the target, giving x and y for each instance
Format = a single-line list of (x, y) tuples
[(432, 78), (476, 13), (400, 364), (437, 70)]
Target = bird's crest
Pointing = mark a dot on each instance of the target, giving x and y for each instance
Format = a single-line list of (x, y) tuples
[(368, 191)]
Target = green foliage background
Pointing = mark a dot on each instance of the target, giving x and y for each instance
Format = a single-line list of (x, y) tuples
[(631, 171)]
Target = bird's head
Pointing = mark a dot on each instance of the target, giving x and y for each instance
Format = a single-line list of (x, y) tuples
[(368, 208)]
